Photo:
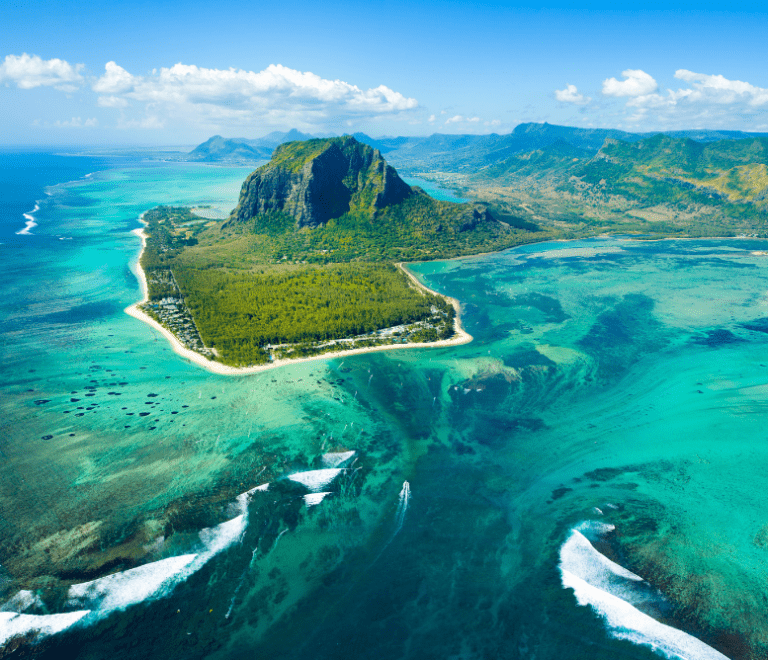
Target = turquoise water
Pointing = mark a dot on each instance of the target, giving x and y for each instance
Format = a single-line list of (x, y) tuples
[(433, 189), (614, 387)]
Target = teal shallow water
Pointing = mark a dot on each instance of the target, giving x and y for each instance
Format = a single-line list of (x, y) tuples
[(617, 381)]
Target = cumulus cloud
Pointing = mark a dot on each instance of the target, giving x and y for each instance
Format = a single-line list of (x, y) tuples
[(571, 95), (708, 101), (718, 89), (29, 71), (115, 80), (275, 95), (636, 83)]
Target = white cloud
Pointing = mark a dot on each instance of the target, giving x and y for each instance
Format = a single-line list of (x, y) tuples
[(77, 122), (29, 71), (571, 95), (431, 118), (718, 89), (111, 102), (461, 119), (277, 95), (637, 83), (709, 101), (115, 80)]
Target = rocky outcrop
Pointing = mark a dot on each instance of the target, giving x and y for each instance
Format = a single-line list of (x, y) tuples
[(473, 217), (318, 180)]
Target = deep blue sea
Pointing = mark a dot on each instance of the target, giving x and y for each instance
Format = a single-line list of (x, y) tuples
[(585, 479)]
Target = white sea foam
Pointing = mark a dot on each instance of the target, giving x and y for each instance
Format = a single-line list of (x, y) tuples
[(30, 222), (216, 539), (119, 590), (627, 622), (613, 591), (579, 557), (336, 458), (21, 602), (316, 480), (12, 624), (311, 499), (402, 506)]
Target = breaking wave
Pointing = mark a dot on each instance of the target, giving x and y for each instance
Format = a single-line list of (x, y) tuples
[(30, 222), (616, 594)]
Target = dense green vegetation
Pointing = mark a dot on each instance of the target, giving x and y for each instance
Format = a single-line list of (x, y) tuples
[(654, 186), (417, 229), (304, 262), (168, 232), (280, 273), (239, 314), (249, 309)]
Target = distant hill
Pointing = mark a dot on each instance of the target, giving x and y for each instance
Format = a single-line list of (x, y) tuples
[(452, 152), (220, 149), (275, 138), (732, 173), (657, 186), (699, 182)]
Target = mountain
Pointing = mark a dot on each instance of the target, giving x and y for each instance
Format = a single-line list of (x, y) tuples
[(217, 149), (275, 138), (453, 152), (558, 158), (220, 149), (657, 186), (317, 180), (707, 135), (305, 259), (668, 169), (337, 200)]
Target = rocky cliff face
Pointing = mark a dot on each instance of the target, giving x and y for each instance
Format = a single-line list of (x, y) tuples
[(317, 180), (475, 216)]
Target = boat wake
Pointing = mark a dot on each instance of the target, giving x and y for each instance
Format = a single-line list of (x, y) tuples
[(618, 596), (402, 507)]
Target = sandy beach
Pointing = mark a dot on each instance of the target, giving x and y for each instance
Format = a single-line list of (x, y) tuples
[(461, 336)]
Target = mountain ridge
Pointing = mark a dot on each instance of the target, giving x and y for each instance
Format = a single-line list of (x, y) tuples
[(452, 150)]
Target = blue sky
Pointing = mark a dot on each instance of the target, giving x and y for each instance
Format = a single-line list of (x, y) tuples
[(176, 73)]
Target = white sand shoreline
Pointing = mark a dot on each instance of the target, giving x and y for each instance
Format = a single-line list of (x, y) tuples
[(461, 336)]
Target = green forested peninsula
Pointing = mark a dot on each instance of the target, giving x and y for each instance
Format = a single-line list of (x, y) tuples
[(301, 311), (304, 264)]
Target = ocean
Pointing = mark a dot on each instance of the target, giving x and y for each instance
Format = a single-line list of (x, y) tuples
[(583, 480)]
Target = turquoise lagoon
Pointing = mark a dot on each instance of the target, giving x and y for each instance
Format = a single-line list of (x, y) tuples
[(585, 479)]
